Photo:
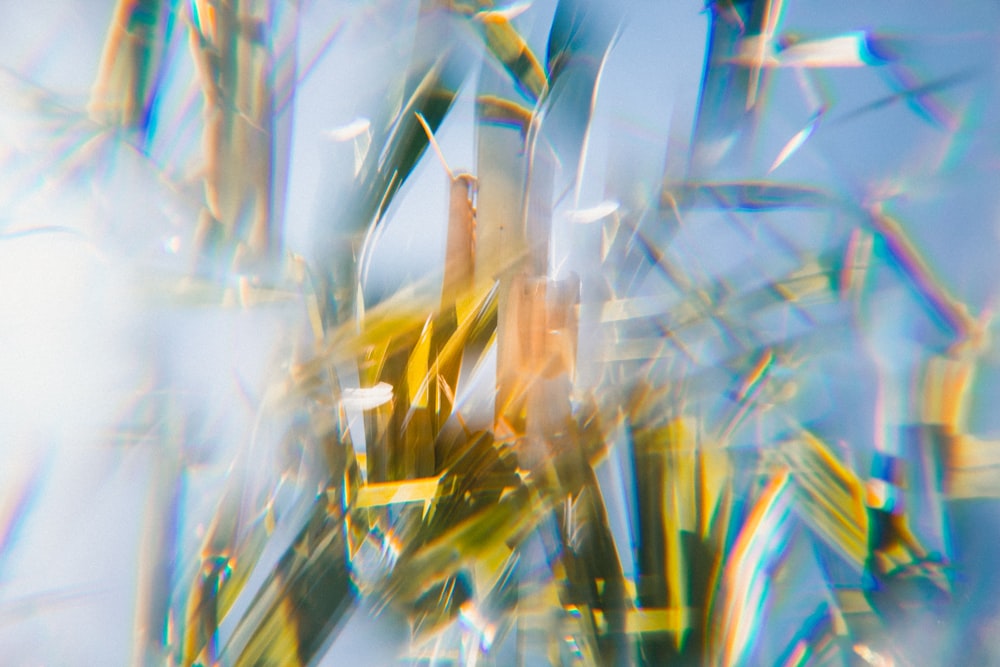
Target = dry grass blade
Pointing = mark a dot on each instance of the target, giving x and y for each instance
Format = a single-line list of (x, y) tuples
[(230, 49), (510, 49), (130, 64)]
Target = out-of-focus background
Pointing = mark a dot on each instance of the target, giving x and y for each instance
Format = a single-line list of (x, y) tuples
[(101, 375)]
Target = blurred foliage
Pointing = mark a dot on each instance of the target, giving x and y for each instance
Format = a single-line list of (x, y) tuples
[(485, 505)]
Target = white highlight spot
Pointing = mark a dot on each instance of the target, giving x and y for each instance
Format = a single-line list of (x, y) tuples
[(352, 130), (367, 398), (585, 216)]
